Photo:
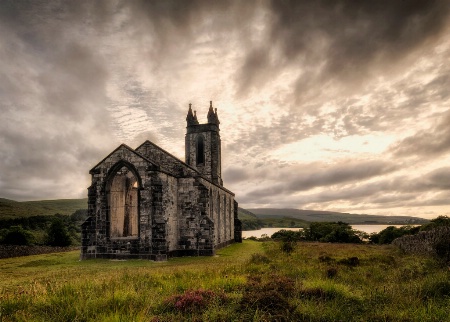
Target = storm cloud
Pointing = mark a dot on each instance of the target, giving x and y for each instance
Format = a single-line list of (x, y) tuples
[(434, 141), (335, 41), (333, 175)]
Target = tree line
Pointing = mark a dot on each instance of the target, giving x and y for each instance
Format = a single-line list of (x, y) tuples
[(56, 230), (341, 232)]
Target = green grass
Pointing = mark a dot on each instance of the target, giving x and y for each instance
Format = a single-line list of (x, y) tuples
[(251, 281), (14, 209)]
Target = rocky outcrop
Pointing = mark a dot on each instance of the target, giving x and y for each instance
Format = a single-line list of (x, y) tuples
[(435, 242)]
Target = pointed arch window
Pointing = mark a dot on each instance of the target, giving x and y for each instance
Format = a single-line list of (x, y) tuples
[(123, 204), (200, 157)]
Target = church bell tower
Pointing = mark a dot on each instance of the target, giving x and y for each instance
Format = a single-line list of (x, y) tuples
[(202, 146)]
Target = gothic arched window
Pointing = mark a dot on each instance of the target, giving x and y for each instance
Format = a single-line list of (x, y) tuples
[(123, 204), (200, 157)]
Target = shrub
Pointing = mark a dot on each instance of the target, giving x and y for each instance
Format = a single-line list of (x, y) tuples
[(350, 261), (387, 235), (288, 239), (270, 297), (331, 272), (332, 232), (194, 300), (287, 247), (264, 237), (288, 235), (16, 235), (57, 234), (436, 222)]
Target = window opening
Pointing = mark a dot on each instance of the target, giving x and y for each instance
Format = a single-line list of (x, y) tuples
[(200, 150), (123, 204)]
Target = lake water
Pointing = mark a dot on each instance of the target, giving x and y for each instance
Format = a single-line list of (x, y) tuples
[(269, 231)]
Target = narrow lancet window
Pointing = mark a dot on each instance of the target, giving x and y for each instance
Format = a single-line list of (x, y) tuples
[(200, 150)]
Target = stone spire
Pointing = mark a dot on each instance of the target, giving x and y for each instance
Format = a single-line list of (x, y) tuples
[(212, 116), (191, 118), (217, 116)]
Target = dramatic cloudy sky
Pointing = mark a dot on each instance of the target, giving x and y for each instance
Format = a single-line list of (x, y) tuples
[(327, 105)]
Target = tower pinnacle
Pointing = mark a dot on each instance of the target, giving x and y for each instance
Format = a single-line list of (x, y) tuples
[(191, 118), (212, 116)]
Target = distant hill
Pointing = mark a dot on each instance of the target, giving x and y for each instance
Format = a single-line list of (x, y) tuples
[(244, 214), (252, 218), (314, 215), (250, 221), (13, 209)]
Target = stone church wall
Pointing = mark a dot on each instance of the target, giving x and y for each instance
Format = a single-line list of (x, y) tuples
[(165, 160), (170, 209), (221, 210), (196, 230), (97, 241)]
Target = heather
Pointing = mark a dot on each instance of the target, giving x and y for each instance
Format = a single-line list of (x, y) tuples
[(252, 281)]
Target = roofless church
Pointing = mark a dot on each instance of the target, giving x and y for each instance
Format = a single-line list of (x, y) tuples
[(145, 203)]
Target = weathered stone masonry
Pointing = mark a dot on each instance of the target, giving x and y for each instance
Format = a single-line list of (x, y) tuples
[(146, 203)]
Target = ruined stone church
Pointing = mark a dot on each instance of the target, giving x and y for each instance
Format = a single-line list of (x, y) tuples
[(146, 203)]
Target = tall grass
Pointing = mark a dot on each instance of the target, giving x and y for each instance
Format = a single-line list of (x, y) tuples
[(245, 282)]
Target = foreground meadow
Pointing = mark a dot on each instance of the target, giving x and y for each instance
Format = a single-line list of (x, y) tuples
[(252, 281)]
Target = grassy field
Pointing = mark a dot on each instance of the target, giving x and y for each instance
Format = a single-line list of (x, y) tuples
[(252, 281)]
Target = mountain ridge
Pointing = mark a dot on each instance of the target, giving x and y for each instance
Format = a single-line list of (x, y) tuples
[(321, 216), (12, 209)]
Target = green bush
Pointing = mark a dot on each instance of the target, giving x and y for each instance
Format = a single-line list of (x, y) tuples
[(332, 232), (16, 235), (57, 234), (287, 247), (436, 222), (288, 235), (387, 235)]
